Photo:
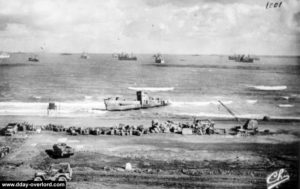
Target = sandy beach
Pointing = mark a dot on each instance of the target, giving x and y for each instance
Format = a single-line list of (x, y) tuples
[(159, 160)]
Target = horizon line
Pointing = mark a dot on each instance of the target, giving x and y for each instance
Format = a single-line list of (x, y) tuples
[(195, 54)]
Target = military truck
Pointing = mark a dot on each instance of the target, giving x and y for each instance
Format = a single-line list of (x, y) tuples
[(4, 150), (56, 172), (11, 129), (62, 150), (72, 131)]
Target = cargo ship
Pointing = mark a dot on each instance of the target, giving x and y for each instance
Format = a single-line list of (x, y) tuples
[(65, 54), (125, 56), (84, 56), (143, 101), (242, 58), (33, 58), (159, 59)]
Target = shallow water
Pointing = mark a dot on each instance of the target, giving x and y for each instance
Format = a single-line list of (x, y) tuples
[(194, 84)]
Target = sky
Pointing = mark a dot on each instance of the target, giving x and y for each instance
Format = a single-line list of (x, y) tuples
[(149, 26)]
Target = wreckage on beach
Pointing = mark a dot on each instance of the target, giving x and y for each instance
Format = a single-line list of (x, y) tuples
[(143, 101), (196, 127)]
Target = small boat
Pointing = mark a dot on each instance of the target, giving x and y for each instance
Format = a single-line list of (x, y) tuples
[(159, 59), (4, 55), (242, 58), (143, 101), (66, 54), (33, 58), (84, 56), (125, 56)]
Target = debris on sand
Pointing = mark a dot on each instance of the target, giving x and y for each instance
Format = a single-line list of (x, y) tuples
[(196, 127), (128, 167), (4, 150)]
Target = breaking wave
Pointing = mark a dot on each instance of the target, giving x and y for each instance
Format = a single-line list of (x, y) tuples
[(251, 101), (151, 88), (215, 115), (88, 97), (286, 105), (199, 103), (285, 97), (270, 88), (63, 108)]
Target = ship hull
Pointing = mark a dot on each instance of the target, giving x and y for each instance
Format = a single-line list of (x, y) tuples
[(159, 61), (33, 60), (245, 61), (124, 58), (128, 108), (133, 105)]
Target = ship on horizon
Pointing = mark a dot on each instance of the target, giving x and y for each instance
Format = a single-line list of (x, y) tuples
[(159, 59), (33, 58), (126, 56), (84, 56), (242, 58), (66, 54)]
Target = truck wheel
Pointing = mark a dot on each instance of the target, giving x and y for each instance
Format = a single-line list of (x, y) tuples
[(63, 179), (37, 179)]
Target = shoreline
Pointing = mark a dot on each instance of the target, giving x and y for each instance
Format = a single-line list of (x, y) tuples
[(275, 124)]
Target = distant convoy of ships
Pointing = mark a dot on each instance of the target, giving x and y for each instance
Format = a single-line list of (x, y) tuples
[(158, 58), (142, 101)]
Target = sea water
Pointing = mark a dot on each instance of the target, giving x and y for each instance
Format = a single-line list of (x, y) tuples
[(193, 83)]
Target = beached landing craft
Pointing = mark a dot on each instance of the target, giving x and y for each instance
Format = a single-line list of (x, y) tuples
[(159, 59), (125, 56), (143, 101)]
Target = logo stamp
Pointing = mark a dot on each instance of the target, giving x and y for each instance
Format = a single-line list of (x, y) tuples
[(276, 178)]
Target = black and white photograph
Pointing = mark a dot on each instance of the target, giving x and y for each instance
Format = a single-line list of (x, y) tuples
[(150, 94)]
